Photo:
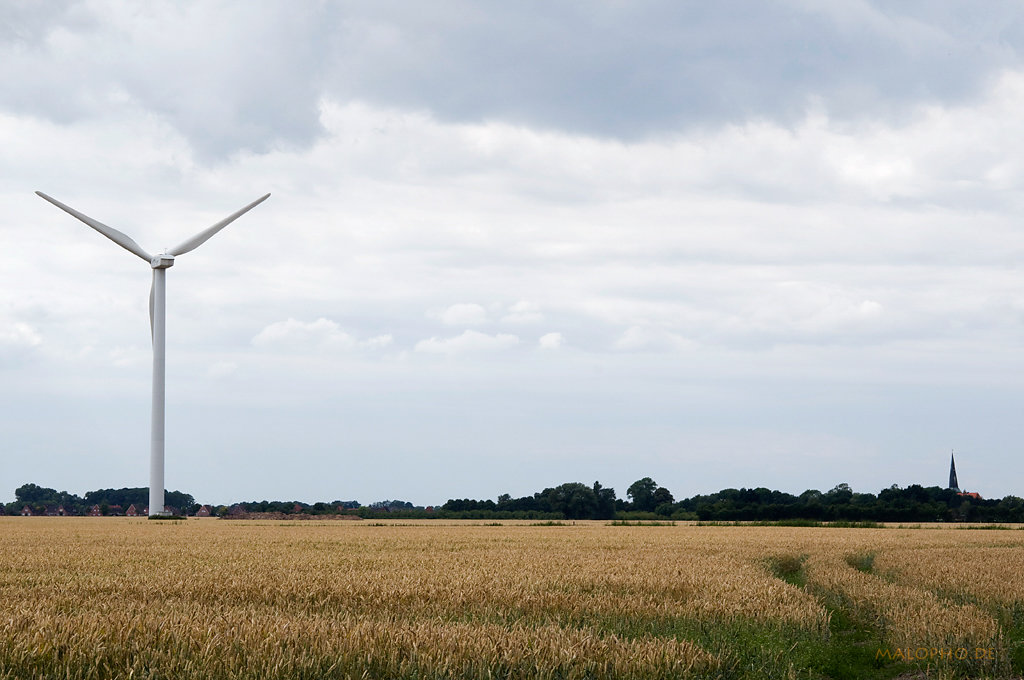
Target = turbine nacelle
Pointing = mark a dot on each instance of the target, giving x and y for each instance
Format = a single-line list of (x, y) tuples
[(162, 261)]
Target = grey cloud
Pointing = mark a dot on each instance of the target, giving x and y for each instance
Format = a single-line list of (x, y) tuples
[(232, 79), (630, 69), (226, 78), (25, 24)]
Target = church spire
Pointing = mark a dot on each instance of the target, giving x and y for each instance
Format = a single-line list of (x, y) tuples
[(953, 484)]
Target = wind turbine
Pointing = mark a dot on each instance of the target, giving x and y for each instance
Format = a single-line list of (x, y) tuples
[(157, 323)]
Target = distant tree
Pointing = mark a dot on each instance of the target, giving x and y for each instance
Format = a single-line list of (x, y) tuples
[(641, 492), (389, 505), (32, 494), (572, 499), (964, 513), (916, 493), (662, 496), (184, 502), (137, 496), (839, 494), (811, 497), (891, 494), (605, 502)]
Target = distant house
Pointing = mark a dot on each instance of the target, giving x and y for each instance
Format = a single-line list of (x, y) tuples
[(26, 512), (970, 494), (236, 510), (297, 508), (204, 511), (169, 510), (112, 510), (131, 511), (54, 510)]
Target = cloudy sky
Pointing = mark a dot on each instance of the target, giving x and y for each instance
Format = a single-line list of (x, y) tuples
[(511, 245)]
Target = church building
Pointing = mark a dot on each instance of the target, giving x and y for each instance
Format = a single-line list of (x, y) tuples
[(954, 485)]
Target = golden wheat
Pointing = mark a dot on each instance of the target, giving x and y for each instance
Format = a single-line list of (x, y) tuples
[(211, 599), (991, 577)]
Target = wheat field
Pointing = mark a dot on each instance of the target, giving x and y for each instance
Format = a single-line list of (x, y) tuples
[(120, 598)]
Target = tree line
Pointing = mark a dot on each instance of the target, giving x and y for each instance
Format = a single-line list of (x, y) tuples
[(39, 498), (649, 500), (645, 499)]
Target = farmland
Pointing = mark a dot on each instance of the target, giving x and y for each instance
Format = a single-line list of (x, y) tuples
[(119, 597)]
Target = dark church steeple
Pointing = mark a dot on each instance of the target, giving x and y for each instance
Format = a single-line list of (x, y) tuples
[(953, 484)]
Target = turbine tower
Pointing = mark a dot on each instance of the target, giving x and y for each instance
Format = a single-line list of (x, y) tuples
[(157, 324)]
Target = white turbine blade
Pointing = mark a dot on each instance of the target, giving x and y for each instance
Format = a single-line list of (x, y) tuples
[(151, 286), (201, 238), (114, 235)]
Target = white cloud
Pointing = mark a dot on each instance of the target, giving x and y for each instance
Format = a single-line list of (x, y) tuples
[(377, 342), (642, 339), (803, 311), (19, 336), (322, 334), (221, 369), (129, 357), (523, 312), (469, 341), (463, 314), (551, 341), (18, 340), (293, 333)]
